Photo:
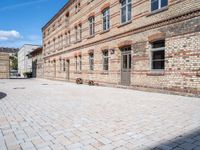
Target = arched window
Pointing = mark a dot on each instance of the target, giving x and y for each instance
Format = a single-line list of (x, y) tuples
[(91, 25), (126, 10), (106, 19)]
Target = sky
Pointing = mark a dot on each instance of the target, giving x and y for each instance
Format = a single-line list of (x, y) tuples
[(21, 20)]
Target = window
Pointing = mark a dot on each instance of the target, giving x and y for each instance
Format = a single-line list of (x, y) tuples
[(125, 11), (69, 37), (67, 19), (53, 27), (77, 6), (158, 4), (91, 61), (64, 65), (61, 41), (91, 25), (89, 1), (105, 60), (76, 63), (80, 63), (78, 32), (158, 55), (54, 44), (60, 65), (66, 39), (44, 34), (106, 19)]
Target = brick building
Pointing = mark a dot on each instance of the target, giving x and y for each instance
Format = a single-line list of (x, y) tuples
[(4, 65), (143, 44)]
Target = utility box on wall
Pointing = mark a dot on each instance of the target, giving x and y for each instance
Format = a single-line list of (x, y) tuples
[(4, 66)]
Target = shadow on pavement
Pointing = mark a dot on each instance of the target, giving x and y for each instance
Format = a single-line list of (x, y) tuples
[(189, 141), (2, 95)]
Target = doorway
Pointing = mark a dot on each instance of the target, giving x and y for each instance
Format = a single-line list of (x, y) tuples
[(126, 66)]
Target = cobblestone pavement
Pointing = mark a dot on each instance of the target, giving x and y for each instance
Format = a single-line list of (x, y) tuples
[(43, 114)]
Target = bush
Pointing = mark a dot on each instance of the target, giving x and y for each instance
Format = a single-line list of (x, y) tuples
[(27, 74), (79, 81), (90, 82)]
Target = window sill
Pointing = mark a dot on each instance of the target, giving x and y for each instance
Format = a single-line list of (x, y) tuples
[(78, 41), (67, 46), (157, 11), (124, 24), (78, 72), (78, 9), (60, 48), (91, 72), (104, 73), (156, 73), (105, 31), (91, 36)]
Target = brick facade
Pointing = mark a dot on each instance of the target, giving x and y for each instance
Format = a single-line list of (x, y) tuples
[(178, 25), (4, 65)]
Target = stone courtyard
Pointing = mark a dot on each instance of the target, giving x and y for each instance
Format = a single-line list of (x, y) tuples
[(42, 114)]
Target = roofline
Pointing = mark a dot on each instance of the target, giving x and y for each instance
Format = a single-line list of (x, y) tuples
[(30, 45), (37, 49), (57, 14)]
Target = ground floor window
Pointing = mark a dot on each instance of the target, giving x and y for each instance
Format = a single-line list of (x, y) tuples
[(80, 63), (158, 55), (64, 65), (91, 61), (105, 60), (76, 63), (60, 65)]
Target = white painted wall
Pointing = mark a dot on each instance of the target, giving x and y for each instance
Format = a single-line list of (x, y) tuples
[(25, 63)]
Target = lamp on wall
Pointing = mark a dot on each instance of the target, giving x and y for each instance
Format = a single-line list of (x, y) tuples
[(112, 51)]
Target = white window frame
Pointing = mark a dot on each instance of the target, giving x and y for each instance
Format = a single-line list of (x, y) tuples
[(91, 25), (159, 5), (66, 39), (126, 5), (76, 33), (60, 65), (106, 16), (76, 63), (80, 32)]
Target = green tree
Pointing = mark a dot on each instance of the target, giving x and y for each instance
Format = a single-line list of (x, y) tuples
[(14, 62)]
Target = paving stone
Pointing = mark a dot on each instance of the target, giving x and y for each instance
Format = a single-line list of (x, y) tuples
[(187, 146), (64, 115), (27, 145)]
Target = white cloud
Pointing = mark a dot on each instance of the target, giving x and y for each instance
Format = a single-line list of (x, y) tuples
[(34, 37), (9, 35)]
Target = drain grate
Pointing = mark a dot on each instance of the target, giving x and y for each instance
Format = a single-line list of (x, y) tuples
[(16, 88), (45, 84)]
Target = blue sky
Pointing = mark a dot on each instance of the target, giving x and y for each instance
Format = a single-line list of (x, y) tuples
[(21, 20)]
